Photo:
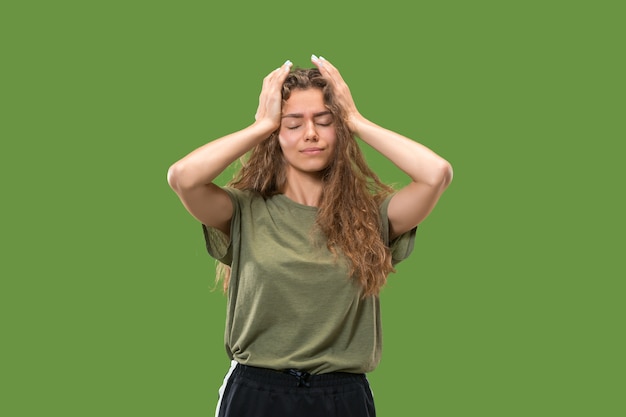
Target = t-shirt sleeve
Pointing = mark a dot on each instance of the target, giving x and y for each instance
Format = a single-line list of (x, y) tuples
[(402, 246), (218, 245)]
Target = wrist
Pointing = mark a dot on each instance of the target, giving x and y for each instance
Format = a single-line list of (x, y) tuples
[(264, 127), (356, 122)]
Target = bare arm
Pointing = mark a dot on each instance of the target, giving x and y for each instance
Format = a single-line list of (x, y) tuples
[(430, 174), (192, 176)]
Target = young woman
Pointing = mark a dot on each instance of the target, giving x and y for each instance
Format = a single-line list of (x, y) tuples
[(307, 234)]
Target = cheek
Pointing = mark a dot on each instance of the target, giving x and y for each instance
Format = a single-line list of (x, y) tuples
[(286, 140), (329, 132), (331, 137)]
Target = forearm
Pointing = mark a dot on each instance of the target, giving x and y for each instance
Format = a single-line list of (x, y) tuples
[(420, 163), (204, 164)]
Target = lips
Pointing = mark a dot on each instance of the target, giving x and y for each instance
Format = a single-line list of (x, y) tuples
[(311, 151)]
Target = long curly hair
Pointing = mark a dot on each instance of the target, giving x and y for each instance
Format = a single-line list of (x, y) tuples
[(348, 213)]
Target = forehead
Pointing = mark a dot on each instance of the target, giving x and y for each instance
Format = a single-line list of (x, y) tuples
[(305, 101)]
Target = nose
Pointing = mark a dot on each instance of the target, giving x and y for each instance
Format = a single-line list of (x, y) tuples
[(310, 133)]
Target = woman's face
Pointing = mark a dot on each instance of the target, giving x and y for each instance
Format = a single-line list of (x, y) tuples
[(307, 131)]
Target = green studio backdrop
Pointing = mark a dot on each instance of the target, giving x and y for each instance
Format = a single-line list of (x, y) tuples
[(512, 302)]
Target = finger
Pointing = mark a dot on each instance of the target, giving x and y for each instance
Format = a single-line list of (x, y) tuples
[(284, 70), (272, 74), (272, 84), (276, 78), (322, 63), (327, 69), (331, 69), (318, 63)]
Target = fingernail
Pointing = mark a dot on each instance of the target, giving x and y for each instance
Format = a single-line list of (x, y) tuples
[(287, 62), (322, 58), (313, 58)]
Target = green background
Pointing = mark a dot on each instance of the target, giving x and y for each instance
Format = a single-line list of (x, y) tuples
[(512, 303)]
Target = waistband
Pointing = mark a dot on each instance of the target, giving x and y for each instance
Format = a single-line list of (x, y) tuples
[(297, 378)]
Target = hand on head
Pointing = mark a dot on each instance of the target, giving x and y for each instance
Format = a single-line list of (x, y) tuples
[(340, 89), (270, 99)]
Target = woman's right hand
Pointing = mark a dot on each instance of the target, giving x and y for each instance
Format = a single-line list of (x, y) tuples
[(270, 99)]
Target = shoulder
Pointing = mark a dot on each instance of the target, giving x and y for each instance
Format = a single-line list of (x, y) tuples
[(238, 195)]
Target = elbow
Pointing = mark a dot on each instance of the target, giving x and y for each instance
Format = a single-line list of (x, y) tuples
[(441, 175), (182, 177), (446, 174), (174, 174)]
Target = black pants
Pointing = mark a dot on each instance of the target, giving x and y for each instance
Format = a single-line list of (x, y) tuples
[(258, 392)]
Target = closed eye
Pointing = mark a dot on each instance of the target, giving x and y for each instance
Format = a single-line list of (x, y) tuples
[(319, 124)]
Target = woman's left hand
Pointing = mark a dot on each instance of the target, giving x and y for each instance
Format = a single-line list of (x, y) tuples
[(340, 89), (430, 174)]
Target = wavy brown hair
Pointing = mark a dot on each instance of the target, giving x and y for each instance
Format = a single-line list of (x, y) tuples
[(348, 213)]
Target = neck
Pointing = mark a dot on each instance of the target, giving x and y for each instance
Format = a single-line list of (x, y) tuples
[(303, 188)]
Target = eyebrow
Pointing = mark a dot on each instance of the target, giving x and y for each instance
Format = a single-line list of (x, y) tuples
[(300, 115)]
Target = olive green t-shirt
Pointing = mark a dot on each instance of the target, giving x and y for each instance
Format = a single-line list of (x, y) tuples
[(291, 303)]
